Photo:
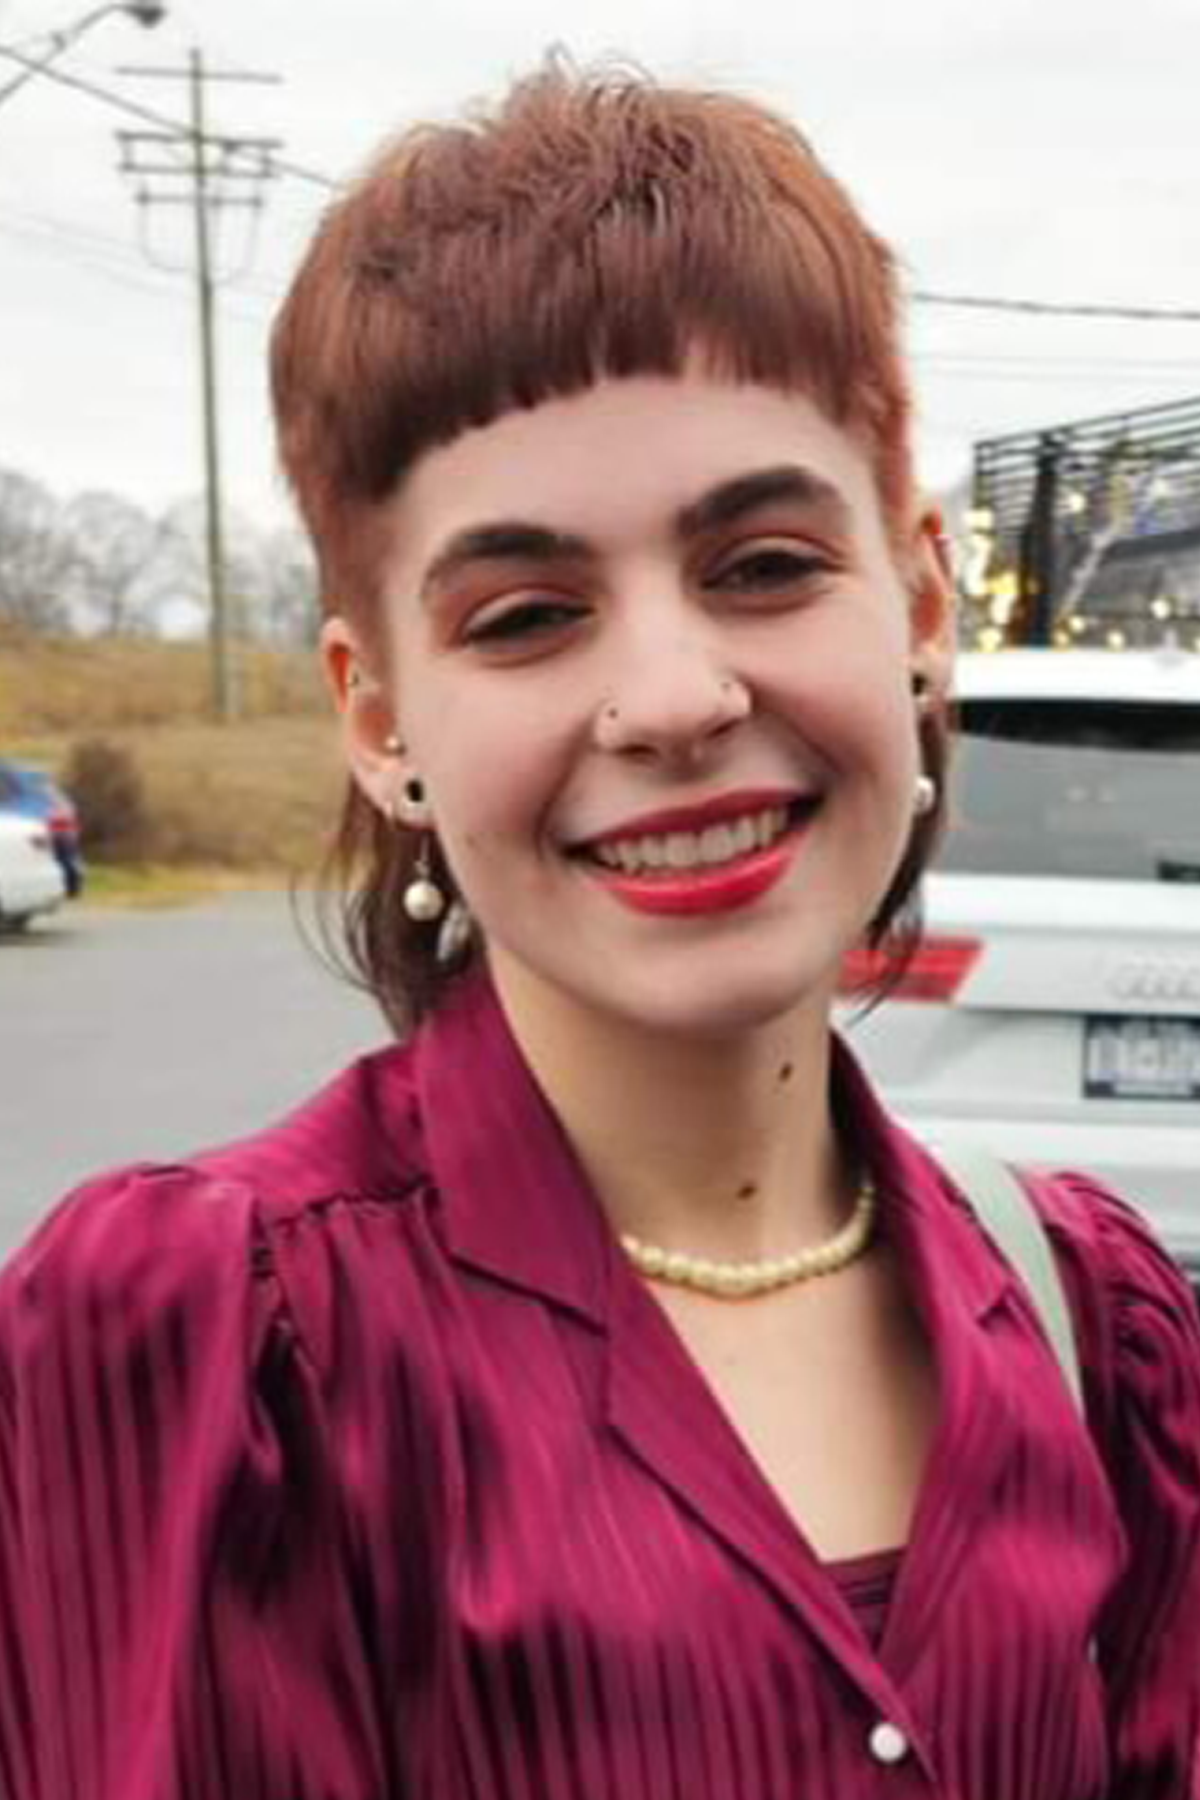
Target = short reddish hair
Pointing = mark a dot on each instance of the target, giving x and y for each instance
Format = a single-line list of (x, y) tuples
[(594, 224)]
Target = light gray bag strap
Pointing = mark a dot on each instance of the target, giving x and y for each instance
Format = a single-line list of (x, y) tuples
[(1009, 1215)]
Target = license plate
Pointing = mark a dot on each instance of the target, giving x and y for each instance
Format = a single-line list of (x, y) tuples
[(1128, 1058)]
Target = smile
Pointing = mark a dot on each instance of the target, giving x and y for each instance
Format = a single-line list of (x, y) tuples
[(712, 868)]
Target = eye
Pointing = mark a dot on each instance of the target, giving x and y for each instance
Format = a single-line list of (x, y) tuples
[(521, 622), (766, 567)]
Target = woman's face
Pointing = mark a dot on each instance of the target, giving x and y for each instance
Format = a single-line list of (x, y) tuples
[(652, 661)]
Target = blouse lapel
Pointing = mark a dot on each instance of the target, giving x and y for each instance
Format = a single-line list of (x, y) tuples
[(515, 1203), (518, 1209), (662, 1410)]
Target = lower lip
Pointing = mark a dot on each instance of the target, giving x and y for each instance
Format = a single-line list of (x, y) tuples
[(687, 893)]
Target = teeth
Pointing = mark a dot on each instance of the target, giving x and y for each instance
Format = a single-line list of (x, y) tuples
[(689, 849), (745, 837), (717, 844)]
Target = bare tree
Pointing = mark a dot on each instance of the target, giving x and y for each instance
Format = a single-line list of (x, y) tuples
[(100, 564), (121, 571), (291, 612), (35, 556), (185, 549)]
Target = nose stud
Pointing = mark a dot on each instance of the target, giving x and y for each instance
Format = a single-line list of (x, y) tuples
[(610, 712)]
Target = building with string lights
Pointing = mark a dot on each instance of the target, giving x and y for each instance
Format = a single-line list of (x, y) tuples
[(1087, 533)]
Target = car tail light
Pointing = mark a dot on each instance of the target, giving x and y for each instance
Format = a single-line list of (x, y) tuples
[(938, 968)]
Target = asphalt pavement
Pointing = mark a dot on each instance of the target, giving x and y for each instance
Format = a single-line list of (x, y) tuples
[(128, 1033)]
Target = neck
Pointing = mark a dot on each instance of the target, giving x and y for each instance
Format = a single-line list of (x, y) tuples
[(722, 1147)]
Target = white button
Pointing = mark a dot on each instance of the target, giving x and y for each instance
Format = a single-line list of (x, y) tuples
[(888, 1743)]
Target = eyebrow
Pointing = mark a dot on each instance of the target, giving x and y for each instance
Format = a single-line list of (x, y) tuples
[(505, 541), (518, 540), (790, 482)]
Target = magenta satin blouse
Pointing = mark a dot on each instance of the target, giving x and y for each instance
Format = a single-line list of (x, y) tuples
[(354, 1463)]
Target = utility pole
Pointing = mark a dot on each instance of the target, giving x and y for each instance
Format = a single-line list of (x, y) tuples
[(209, 166)]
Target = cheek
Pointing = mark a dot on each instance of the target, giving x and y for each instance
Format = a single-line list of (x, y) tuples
[(492, 778), (853, 706), (875, 690)]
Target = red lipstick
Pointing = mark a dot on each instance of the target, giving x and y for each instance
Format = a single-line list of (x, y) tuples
[(701, 889), (690, 892)]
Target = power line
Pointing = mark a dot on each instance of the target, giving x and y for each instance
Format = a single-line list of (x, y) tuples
[(1049, 309), (176, 127), (159, 285), (1059, 309), (1091, 364), (114, 272), (46, 233)]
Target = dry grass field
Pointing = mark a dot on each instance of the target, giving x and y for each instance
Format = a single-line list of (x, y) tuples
[(255, 797)]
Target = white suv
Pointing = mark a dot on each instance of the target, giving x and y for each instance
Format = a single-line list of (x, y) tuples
[(1053, 1011)]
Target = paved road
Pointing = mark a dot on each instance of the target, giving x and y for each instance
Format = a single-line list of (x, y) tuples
[(131, 1034)]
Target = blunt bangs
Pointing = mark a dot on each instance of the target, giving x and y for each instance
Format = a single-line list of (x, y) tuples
[(591, 227)]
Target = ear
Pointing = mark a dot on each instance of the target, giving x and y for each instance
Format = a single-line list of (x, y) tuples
[(375, 758), (932, 600)]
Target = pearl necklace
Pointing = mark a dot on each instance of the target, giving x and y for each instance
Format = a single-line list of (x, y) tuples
[(744, 1281)]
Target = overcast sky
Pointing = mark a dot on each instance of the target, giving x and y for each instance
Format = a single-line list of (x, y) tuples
[(1047, 149)]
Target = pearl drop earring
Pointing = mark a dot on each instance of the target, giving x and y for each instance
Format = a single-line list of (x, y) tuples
[(424, 900), (925, 795)]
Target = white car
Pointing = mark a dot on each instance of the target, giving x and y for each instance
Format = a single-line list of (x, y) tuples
[(1052, 1014), (31, 876)]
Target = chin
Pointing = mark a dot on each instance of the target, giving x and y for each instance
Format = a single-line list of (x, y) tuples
[(714, 1005)]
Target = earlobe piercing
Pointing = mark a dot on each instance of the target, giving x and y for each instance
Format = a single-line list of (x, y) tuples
[(424, 900), (925, 795)]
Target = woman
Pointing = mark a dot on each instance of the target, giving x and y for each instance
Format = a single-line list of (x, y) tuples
[(598, 1394)]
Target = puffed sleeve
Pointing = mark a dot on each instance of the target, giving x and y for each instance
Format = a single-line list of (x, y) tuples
[(1149, 1640), (176, 1618)]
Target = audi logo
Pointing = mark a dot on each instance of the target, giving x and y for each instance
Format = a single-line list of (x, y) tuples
[(1145, 980)]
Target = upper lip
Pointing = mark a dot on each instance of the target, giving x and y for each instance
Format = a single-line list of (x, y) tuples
[(698, 817)]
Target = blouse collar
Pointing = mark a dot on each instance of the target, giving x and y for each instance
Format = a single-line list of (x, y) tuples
[(517, 1204)]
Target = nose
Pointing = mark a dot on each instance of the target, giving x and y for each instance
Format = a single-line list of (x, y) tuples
[(670, 701)]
